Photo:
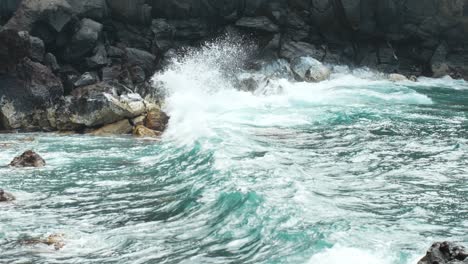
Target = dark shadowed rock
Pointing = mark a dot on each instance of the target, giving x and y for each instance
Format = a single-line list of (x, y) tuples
[(6, 196), (445, 253), (136, 11), (28, 159), (144, 59), (51, 61), (257, 23), (85, 79), (37, 49), (292, 50), (84, 40)]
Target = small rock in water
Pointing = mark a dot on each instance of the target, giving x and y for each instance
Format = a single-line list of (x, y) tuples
[(6, 196), (28, 159), (142, 131), (56, 240), (445, 253)]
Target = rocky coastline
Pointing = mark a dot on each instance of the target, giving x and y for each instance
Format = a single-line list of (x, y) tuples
[(70, 65)]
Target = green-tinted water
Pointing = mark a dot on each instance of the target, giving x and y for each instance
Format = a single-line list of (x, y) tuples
[(351, 170)]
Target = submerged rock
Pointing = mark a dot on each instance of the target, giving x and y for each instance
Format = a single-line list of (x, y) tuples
[(445, 253), (142, 131), (28, 159), (6, 196), (310, 70), (56, 240)]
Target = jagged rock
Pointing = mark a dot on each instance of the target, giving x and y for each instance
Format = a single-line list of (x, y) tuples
[(28, 159), (94, 9), (37, 49), (309, 69), (54, 14), (26, 97), (141, 58), (51, 61), (14, 47), (84, 40), (257, 23), (292, 50), (136, 11), (98, 104), (142, 131), (99, 58), (163, 34), (117, 128), (439, 65), (85, 79), (156, 119), (6, 196), (191, 29), (445, 253)]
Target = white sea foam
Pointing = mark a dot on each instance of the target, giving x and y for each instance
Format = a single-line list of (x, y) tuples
[(349, 255)]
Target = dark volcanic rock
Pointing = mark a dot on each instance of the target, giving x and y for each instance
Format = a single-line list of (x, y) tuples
[(28, 159), (445, 253), (258, 23), (84, 40)]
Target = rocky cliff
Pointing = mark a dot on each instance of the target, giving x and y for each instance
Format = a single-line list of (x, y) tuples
[(67, 60)]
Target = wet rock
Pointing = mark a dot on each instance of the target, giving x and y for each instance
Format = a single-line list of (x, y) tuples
[(117, 128), (156, 119), (142, 131), (85, 79), (28, 159), (26, 98), (84, 40), (56, 240), (395, 77), (6, 196), (98, 104), (309, 69), (445, 253), (258, 23)]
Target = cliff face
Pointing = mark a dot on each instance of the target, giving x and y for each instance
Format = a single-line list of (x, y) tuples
[(83, 42)]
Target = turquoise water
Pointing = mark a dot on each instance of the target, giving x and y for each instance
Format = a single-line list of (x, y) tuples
[(352, 170)]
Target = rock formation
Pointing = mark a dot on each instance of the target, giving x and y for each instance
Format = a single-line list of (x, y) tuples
[(53, 51), (28, 159), (445, 253)]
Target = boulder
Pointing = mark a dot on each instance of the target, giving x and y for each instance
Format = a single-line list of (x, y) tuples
[(395, 77), (98, 104), (26, 98), (156, 119), (258, 23), (309, 69), (85, 79), (135, 11), (142, 131), (292, 50), (84, 40), (51, 61), (28, 159), (141, 58), (117, 128), (6, 196), (445, 253), (37, 49), (50, 14)]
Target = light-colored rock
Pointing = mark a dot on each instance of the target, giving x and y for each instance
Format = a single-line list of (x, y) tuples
[(310, 70), (142, 131), (117, 128), (395, 77)]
